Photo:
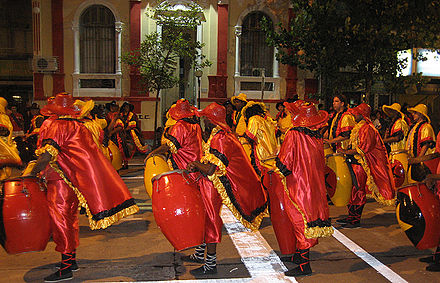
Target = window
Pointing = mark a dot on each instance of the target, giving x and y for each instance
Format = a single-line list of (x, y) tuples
[(97, 48), (97, 40), (255, 53)]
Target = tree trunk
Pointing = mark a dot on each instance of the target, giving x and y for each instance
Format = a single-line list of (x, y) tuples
[(155, 118)]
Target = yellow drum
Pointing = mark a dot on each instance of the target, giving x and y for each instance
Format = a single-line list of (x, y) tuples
[(337, 177), (154, 165), (115, 155), (399, 167)]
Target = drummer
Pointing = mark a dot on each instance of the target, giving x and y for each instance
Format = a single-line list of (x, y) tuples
[(8, 150), (184, 139), (261, 134), (240, 101), (304, 184), (228, 178), (373, 175), (397, 132), (421, 137), (81, 176), (340, 125)]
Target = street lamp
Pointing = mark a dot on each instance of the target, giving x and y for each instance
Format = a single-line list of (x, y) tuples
[(198, 74)]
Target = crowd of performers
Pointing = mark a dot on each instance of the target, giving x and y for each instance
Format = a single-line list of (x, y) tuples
[(231, 158)]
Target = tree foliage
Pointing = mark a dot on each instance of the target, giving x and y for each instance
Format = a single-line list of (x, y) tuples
[(350, 44), (159, 53)]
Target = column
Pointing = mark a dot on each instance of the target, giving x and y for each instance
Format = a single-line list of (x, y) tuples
[(58, 45), (135, 42), (238, 30)]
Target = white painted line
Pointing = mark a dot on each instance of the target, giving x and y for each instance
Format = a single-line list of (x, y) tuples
[(384, 270), (261, 261), (136, 164)]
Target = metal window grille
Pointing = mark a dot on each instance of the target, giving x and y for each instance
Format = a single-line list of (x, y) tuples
[(255, 53), (97, 40)]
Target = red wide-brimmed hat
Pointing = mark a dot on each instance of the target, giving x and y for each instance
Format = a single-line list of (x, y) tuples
[(305, 114), (182, 110), (216, 113), (292, 107), (62, 104), (362, 109)]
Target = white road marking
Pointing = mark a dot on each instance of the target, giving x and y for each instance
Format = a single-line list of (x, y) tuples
[(132, 178), (384, 270)]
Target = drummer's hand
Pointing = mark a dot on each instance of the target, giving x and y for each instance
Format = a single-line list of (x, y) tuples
[(430, 182), (327, 141), (340, 150), (192, 166)]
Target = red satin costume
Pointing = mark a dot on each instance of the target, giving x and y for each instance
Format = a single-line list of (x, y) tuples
[(374, 174), (185, 142), (79, 174), (300, 164), (234, 183)]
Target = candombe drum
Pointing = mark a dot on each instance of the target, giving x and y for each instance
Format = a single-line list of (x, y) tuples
[(418, 214), (417, 172), (399, 167), (178, 209), (24, 223), (280, 221), (115, 155), (154, 165), (337, 177)]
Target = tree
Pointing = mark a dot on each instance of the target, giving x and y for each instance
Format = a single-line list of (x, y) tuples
[(350, 44), (158, 55)]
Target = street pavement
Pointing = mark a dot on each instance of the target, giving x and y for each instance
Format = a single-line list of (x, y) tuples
[(135, 250)]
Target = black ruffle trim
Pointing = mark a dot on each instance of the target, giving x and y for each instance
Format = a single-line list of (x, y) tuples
[(173, 140), (398, 134), (51, 142), (254, 161), (320, 223), (283, 168), (431, 144), (173, 163), (416, 138), (114, 210), (192, 120), (309, 132), (228, 188), (220, 156)]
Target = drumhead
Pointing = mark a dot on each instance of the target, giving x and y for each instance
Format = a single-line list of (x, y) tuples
[(411, 185), (20, 178), (180, 171)]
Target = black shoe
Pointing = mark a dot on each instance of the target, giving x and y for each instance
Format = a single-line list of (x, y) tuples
[(202, 270), (59, 276), (293, 258), (344, 220), (428, 259), (304, 270), (435, 267), (74, 267), (351, 225), (190, 258)]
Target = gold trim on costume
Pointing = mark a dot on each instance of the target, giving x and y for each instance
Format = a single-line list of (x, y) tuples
[(50, 149), (215, 179), (360, 157), (102, 223), (309, 232)]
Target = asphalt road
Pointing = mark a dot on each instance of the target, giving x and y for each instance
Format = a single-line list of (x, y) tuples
[(136, 250)]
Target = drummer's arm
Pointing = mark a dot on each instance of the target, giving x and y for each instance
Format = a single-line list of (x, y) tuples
[(206, 169), (337, 139), (347, 151), (161, 150), (42, 162), (423, 158)]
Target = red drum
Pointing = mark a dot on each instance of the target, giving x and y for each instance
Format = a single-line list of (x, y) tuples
[(280, 220), (25, 222), (418, 214), (178, 209)]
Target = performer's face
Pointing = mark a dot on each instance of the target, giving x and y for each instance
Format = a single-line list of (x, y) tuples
[(338, 105), (358, 118)]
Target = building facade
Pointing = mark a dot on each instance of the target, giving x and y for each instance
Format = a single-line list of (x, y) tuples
[(77, 45)]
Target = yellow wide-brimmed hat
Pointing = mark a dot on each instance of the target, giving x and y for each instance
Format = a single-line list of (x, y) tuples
[(422, 109), (85, 106), (240, 97), (394, 107), (3, 104)]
